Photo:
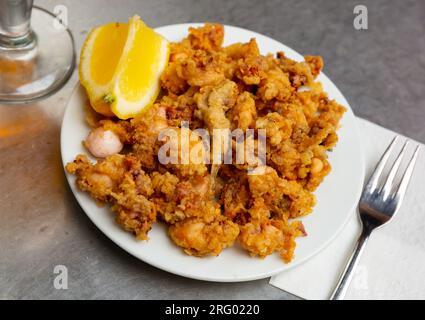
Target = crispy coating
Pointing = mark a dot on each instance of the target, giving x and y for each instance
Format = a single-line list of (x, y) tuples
[(120, 181), (208, 207), (199, 237), (244, 113), (186, 158), (214, 102), (209, 37)]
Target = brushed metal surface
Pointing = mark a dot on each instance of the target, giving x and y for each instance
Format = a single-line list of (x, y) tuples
[(381, 72)]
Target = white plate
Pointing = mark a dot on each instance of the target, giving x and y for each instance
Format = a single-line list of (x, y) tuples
[(336, 197)]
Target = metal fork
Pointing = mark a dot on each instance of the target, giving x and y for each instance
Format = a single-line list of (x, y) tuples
[(379, 202)]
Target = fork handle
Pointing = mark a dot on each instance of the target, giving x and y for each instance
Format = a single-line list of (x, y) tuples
[(347, 275)]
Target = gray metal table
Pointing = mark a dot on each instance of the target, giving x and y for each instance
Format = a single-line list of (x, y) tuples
[(381, 71)]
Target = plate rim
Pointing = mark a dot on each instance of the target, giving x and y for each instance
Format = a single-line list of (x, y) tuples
[(285, 267)]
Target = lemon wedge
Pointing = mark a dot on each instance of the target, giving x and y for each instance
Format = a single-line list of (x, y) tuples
[(120, 67)]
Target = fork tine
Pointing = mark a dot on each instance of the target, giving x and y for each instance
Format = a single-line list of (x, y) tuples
[(402, 188), (374, 178), (389, 183)]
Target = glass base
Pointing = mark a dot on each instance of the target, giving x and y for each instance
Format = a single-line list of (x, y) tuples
[(41, 67)]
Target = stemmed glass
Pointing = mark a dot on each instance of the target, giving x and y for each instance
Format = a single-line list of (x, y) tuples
[(37, 53)]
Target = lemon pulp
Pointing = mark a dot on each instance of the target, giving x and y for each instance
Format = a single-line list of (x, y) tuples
[(107, 51), (120, 67)]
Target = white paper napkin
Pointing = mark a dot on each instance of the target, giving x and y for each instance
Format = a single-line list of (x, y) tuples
[(393, 264)]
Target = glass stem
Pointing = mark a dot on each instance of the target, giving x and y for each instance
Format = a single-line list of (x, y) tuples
[(15, 31)]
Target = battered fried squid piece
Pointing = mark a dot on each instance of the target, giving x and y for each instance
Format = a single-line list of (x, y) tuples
[(180, 108), (99, 179), (177, 199), (171, 81), (263, 235), (236, 198), (277, 127), (200, 237), (135, 213), (208, 207), (252, 68), (285, 199), (239, 50), (209, 37), (143, 135), (315, 63), (199, 70), (120, 181), (263, 238), (300, 73), (121, 128), (214, 102), (187, 152), (243, 114), (275, 84)]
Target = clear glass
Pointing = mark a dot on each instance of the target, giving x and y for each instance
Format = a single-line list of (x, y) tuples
[(37, 54)]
